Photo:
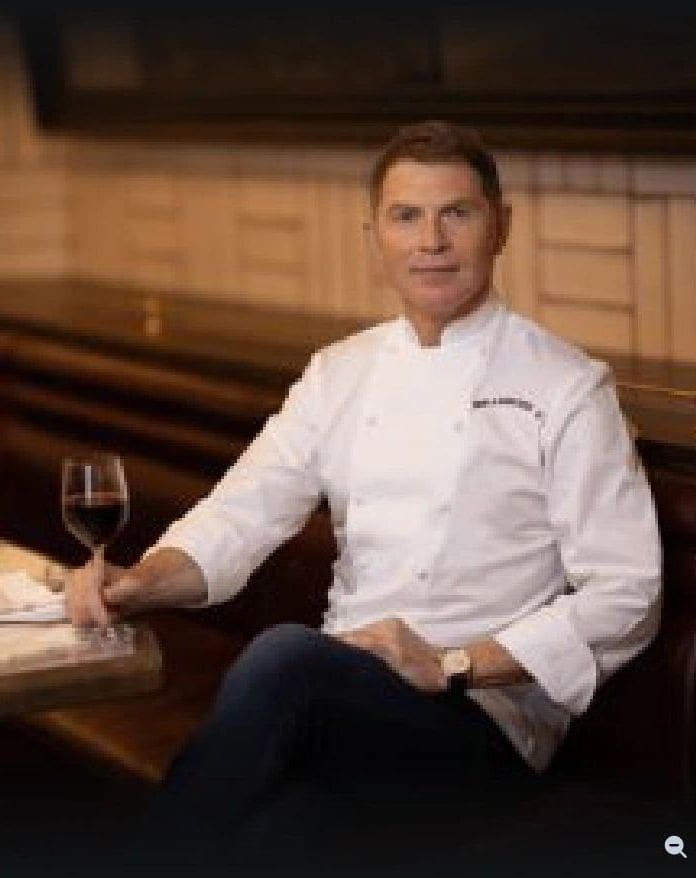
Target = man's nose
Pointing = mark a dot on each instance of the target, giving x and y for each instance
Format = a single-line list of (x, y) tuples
[(432, 235)]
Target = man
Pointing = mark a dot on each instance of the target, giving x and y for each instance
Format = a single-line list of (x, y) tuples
[(498, 551)]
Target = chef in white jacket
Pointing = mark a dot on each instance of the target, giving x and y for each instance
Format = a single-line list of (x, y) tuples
[(493, 524)]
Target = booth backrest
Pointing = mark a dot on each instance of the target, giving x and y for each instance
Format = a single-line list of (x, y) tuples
[(641, 726)]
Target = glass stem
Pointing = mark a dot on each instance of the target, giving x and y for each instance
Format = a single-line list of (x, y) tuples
[(98, 562)]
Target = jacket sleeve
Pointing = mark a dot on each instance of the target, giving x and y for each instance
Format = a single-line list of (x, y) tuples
[(262, 500), (601, 511)]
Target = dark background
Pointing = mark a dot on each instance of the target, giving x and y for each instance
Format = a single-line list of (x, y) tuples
[(611, 75)]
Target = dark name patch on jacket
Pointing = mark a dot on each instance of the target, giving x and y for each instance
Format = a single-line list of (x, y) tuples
[(515, 401)]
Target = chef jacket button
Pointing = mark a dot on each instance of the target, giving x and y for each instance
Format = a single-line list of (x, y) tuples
[(423, 575), (444, 508), (459, 426), (371, 421)]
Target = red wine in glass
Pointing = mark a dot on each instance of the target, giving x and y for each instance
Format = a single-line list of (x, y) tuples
[(95, 520), (94, 499)]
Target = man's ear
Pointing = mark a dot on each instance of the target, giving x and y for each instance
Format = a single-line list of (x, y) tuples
[(503, 220)]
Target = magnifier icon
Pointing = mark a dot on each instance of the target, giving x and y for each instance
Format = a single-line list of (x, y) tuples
[(674, 845)]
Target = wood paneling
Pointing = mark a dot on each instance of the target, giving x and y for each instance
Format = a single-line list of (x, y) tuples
[(581, 173), (596, 220), (153, 247), (34, 235), (584, 274), (208, 232), (650, 290), (606, 330), (613, 174), (664, 177), (518, 277), (681, 255), (97, 207), (34, 259)]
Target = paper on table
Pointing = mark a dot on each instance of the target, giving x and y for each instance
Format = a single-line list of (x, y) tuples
[(25, 599), (37, 643)]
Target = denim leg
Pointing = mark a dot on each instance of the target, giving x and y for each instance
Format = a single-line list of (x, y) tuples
[(256, 731), (301, 707)]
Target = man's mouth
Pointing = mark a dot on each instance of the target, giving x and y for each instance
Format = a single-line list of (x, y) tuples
[(434, 269)]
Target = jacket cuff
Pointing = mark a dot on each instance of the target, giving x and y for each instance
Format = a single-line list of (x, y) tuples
[(550, 650), (215, 575)]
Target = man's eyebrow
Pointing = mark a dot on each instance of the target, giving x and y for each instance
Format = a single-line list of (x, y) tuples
[(466, 200), (455, 202), (400, 205)]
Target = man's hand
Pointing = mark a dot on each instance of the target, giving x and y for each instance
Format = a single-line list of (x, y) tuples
[(99, 594), (406, 653)]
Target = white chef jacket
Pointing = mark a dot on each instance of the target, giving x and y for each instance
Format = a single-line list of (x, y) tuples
[(482, 488)]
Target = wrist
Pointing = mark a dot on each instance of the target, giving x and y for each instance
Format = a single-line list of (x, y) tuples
[(168, 577)]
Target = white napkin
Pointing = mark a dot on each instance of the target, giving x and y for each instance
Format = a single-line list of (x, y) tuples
[(25, 599)]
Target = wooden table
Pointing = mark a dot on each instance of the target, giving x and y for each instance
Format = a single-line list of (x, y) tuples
[(82, 681)]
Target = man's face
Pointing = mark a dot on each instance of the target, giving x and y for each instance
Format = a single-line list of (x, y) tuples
[(437, 235)]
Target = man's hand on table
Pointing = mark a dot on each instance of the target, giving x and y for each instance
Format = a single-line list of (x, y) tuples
[(94, 594), (406, 653), (99, 594)]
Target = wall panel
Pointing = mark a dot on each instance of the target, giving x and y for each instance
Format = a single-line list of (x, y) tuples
[(594, 220), (613, 174), (681, 256), (207, 229), (581, 173), (607, 329), (650, 278), (518, 277), (584, 274), (97, 207)]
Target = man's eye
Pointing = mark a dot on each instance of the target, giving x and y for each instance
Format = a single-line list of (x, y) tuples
[(460, 211), (405, 214)]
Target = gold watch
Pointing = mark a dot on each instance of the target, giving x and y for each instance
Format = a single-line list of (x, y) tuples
[(456, 664)]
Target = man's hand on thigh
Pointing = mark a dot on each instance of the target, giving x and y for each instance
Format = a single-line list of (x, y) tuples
[(406, 653)]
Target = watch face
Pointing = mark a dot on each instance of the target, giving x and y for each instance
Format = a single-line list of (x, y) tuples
[(456, 662)]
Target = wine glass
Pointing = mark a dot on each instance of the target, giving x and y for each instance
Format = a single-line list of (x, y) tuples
[(94, 500)]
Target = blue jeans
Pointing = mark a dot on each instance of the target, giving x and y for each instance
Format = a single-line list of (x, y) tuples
[(317, 746)]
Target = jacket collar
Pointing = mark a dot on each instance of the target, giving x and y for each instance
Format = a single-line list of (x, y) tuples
[(463, 330)]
